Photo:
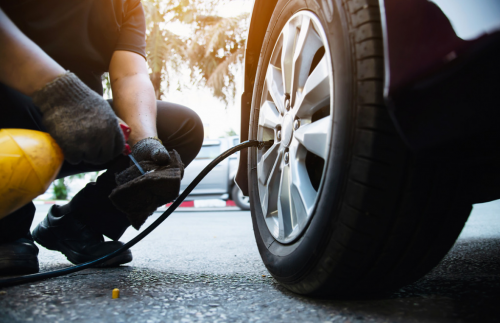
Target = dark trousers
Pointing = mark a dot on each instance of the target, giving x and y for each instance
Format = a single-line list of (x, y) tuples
[(179, 128)]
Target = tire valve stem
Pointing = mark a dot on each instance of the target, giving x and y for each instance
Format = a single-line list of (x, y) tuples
[(265, 144)]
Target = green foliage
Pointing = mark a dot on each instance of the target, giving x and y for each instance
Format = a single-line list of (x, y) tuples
[(60, 190), (164, 50), (231, 133), (217, 46), (106, 85), (212, 50), (60, 186)]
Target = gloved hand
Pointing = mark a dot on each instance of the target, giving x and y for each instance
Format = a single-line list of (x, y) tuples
[(138, 196), (151, 149), (80, 120)]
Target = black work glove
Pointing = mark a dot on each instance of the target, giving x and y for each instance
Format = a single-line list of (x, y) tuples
[(138, 196), (151, 149), (80, 120)]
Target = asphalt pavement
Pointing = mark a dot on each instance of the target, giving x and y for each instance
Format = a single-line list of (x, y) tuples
[(204, 266)]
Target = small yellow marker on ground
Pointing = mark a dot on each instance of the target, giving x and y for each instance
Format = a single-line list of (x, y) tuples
[(116, 293)]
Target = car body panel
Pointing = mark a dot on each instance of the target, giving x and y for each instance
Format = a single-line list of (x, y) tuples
[(441, 72), (423, 37)]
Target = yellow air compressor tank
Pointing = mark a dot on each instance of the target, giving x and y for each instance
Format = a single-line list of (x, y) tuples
[(29, 161)]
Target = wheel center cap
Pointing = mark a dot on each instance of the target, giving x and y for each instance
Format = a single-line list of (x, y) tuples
[(287, 130)]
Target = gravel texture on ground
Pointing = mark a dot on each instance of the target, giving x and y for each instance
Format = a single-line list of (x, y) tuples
[(204, 266)]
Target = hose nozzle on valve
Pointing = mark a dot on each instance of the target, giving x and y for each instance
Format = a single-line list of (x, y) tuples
[(265, 144)]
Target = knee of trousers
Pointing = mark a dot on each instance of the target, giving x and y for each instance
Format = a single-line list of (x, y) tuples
[(184, 133), (194, 134)]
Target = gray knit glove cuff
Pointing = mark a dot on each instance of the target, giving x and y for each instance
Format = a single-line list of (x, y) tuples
[(80, 120)]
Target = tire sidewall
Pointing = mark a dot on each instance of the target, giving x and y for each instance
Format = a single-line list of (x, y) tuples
[(290, 263)]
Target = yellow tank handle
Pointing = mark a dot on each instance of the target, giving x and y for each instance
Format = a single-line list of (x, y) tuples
[(29, 161)]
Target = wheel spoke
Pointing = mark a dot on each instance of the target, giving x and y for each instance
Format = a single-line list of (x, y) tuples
[(316, 92), (308, 43), (302, 192), (267, 163), (314, 136), (269, 115), (289, 34), (269, 189), (284, 204), (274, 82)]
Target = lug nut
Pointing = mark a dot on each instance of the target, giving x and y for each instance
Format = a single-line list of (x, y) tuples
[(287, 104), (296, 124), (278, 135), (286, 158)]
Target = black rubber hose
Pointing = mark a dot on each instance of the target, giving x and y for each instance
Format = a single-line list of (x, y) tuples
[(140, 236)]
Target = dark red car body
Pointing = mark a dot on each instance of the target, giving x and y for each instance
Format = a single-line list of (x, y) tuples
[(442, 76)]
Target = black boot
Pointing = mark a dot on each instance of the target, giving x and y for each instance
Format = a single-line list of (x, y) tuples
[(19, 257), (79, 243)]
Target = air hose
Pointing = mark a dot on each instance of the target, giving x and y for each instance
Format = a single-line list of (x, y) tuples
[(148, 230)]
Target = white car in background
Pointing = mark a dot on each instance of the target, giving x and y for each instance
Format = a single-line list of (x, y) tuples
[(219, 183)]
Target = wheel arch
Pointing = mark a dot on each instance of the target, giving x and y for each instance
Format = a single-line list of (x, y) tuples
[(261, 15)]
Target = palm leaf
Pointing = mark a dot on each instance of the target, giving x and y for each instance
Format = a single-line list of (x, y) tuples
[(218, 34), (216, 80), (216, 45)]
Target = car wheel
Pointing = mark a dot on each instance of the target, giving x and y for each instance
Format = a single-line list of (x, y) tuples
[(242, 201), (339, 204)]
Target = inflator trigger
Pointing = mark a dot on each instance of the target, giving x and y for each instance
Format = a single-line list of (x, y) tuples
[(126, 134), (127, 151)]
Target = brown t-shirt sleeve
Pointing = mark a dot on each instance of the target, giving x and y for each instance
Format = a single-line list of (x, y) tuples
[(133, 29)]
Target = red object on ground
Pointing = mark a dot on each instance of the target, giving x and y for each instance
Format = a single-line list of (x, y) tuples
[(191, 204), (184, 204)]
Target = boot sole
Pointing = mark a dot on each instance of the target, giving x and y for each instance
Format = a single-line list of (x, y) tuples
[(76, 257), (20, 265)]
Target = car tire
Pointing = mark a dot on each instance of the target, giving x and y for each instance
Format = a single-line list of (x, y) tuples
[(381, 218), (239, 199)]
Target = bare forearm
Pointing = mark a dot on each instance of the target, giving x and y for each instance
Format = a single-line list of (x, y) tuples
[(23, 65), (134, 102)]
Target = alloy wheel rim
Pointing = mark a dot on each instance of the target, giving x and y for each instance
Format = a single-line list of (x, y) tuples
[(296, 112)]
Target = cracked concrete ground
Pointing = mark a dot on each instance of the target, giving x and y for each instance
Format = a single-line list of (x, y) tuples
[(204, 266)]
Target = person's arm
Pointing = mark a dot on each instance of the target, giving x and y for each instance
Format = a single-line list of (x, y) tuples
[(133, 94), (80, 120), (23, 65)]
